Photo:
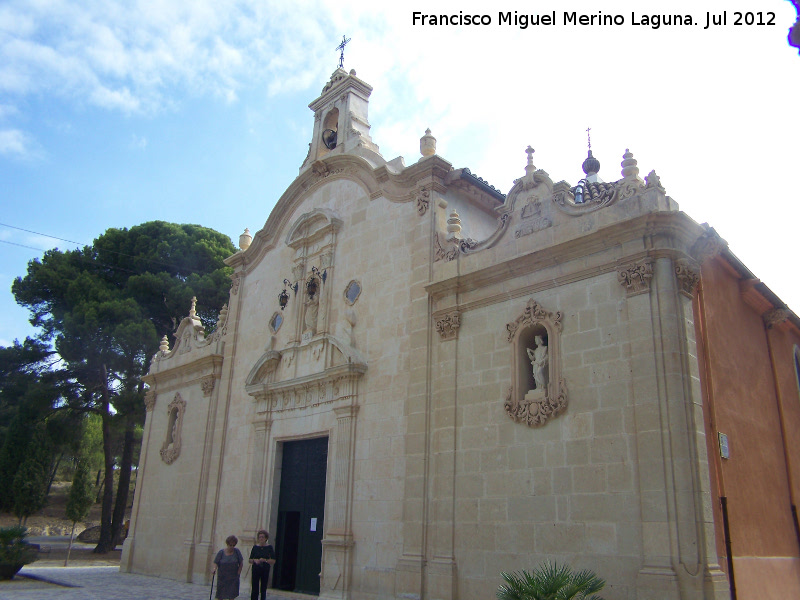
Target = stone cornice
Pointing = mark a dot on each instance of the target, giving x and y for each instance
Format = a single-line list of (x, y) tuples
[(675, 228), (329, 374), (175, 376)]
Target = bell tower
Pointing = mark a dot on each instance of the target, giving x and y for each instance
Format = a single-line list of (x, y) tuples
[(340, 119)]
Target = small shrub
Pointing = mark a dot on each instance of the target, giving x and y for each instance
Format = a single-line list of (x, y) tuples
[(550, 581), (14, 550)]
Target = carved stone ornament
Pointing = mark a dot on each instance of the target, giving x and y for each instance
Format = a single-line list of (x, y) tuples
[(708, 245), (149, 400), (207, 384), (171, 448), (532, 219), (775, 316), (635, 278), (534, 313), (447, 325), (688, 276), (538, 390), (423, 201), (222, 324), (236, 279), (442, 253), (535, 413), (653, 181)]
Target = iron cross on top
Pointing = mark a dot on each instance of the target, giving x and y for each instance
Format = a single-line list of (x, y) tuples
[(341, 47)]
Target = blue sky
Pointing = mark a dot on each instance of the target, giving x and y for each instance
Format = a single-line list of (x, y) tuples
[(117, 113)]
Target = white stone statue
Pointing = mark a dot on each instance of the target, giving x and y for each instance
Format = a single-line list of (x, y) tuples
[(539, 362)]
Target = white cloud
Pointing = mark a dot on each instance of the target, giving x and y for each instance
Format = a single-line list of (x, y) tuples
[(14, 142), (138, 142)]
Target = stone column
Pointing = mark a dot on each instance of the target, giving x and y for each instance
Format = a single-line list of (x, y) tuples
[(440, 581), (337, 545), (669, 432), (257, 495)]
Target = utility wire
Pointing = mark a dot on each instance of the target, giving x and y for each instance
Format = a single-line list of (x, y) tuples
[(151, 261)]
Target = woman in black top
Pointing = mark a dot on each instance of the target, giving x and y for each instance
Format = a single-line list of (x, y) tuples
[(262, 556)]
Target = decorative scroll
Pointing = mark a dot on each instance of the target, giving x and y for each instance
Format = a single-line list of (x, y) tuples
[(442, 253), (635, 278), (471, 246), (236, 279), (423, 201), (447, 325)]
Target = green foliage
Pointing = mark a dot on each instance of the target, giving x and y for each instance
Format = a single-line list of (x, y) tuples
[(550, 581), (81, 494), (14, 550), (30, 488), (105, 307)]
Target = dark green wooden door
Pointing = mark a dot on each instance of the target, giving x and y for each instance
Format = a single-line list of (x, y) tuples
[(298, 540)]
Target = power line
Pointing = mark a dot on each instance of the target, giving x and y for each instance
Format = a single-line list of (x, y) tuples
[(149, 260), (42, 234)]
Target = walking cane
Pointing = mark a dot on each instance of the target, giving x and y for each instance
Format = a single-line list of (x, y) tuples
[(214, 574)]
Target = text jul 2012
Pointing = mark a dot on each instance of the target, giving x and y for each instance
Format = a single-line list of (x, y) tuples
[(654, 21)]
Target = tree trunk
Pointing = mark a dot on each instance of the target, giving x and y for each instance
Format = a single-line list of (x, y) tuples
[(106, 538), (123, 487), (53, 470), (69, 548)]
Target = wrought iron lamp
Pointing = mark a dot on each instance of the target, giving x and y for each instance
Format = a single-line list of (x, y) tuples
[(283, 297)]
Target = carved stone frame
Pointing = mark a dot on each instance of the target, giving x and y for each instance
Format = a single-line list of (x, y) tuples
[(537, 411), (171, 448)]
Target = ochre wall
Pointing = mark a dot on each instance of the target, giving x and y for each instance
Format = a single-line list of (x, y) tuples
[(750, 394)]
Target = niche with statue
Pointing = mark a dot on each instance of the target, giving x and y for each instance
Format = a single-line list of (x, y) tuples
[(538, 391)]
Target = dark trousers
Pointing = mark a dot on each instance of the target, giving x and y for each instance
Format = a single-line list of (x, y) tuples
[(260, 577)]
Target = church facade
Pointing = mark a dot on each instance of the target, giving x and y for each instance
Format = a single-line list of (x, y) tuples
[(420, 382)]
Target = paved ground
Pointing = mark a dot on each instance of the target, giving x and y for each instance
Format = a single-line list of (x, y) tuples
[(101, 583)]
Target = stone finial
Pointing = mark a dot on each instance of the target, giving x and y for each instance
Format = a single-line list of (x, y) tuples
[(427, 144), (245, 239), (193, 308), (529, 168), (164, 345), (653, 181), (453, 225), (628, 164), (590, 166)]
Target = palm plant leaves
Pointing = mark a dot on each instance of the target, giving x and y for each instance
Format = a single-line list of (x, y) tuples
[(549, 581)]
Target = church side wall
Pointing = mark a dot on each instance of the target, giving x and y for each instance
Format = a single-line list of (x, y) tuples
[(163, 526), (751, 385), (563, 492)]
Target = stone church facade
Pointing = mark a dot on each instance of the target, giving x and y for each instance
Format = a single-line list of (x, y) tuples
[(420, 382)]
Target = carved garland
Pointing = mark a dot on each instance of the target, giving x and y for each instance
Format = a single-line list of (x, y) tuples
[(522, 406), (171, 448)]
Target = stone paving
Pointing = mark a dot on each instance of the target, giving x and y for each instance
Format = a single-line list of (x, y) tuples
[(103, 583)]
